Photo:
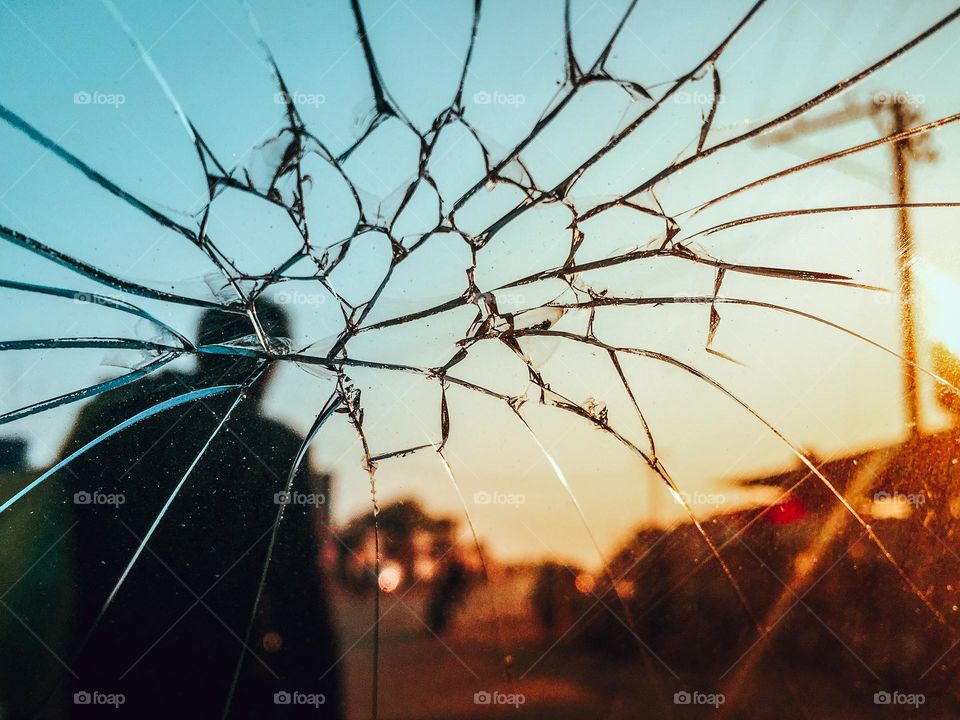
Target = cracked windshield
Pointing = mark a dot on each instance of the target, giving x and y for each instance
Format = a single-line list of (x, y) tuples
[(478, 359)]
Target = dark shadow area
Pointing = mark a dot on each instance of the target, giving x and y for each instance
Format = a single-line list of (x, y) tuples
[(167, 529)]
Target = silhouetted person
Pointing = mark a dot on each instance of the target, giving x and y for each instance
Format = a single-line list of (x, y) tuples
[(172, 636), (449, 590), (553, 595)]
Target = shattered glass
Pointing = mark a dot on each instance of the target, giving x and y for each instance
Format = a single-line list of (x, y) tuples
[(433, 359)]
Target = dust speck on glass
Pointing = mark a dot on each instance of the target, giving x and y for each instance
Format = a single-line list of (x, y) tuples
[(477, 358)]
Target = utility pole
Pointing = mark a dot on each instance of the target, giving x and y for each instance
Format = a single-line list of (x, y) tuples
[(903, 152), (900, 115)]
